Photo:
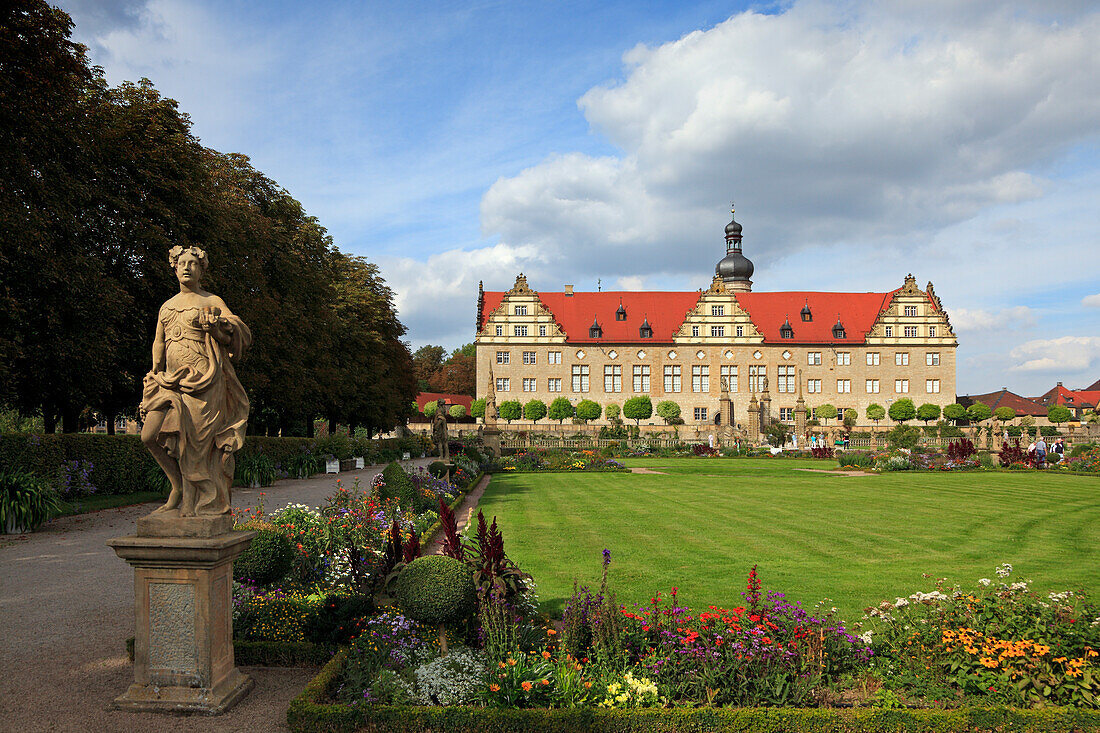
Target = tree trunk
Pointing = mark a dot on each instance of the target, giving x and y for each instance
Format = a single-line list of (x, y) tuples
[(331, 425), (442, 640), (309, 427), (110, 423)]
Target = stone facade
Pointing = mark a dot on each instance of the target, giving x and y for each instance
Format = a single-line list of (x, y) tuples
[(908, 351)]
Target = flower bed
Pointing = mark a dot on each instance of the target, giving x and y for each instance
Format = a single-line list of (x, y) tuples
[(541, 460)]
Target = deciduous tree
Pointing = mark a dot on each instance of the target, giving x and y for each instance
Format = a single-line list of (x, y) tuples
[(638, 408), (561, 409)]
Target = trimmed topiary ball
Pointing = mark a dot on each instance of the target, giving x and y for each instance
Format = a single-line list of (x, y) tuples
[(437, 468), (267, 559), (436, 590), (398, 485)]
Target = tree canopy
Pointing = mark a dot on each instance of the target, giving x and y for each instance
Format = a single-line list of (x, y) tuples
[(510, 410), (588, 410), (1058, 414), (638, 408), (954, 412), (100, 182), (902, 410), (534, 410), (1004, 413), (978, 412), (875, 412), (667, 410), (928, 412), (561, 409)]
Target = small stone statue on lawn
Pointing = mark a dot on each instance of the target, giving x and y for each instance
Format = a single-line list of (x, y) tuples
[(195, 410)]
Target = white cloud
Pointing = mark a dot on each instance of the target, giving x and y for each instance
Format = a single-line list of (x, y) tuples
[(826, 123), (1067, 355), (966, 319), (1091, 301)]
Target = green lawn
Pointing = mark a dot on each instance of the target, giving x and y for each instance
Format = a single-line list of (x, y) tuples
[(854, 540)]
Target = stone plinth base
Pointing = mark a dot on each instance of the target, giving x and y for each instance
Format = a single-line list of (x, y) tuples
[(183, 617), (491, 438)]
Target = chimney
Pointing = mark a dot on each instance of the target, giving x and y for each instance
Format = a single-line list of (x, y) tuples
[(569, 294), (1004, 389), (1059, 384)]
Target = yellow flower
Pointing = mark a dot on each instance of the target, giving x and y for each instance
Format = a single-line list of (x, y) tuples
[(987, 662)]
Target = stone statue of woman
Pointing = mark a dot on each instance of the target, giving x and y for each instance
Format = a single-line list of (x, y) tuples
[(194, 408)]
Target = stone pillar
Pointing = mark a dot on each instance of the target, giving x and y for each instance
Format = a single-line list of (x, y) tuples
[(183, 614), (752, 420), (800, 412)]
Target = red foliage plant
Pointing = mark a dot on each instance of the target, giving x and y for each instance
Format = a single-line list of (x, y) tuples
[(961, 449), (412, 548), (1013, 454), (822, 451), (452, 545)]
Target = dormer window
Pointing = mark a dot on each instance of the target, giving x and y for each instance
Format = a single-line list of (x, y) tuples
[(838, 330), (595, 331), (786, 330), (807, 316), (645, 330), (620, 315)]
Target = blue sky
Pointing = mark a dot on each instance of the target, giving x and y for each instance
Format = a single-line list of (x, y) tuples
[(457, 142)]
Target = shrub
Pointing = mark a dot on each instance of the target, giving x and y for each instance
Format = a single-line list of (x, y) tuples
[(903, 436), (25, 501), (612, 412), (1058, 413), (436, 590), (397, 485), (1012, 453), (268, 558), (856, 459), (455, 679), (821, 451), (457, 412), (639, 408), (255, 470), (437, 469), (961, 449), (337, 619), (928, 412), (1048, 431), (668, 410)]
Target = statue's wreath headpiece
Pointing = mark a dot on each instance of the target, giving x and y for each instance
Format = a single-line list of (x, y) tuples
[(178, 251)]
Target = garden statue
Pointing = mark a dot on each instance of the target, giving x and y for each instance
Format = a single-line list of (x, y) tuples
[(194, 408), (439, 430)]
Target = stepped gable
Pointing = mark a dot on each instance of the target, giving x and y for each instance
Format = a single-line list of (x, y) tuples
[(665, 312), (858, 311)]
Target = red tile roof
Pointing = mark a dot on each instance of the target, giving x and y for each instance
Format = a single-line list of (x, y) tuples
[(452, 399), (1070, 397), (1094, 387), (857, 311), (1004, 398), (666, 312)]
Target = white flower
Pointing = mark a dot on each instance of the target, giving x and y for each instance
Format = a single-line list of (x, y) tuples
[(984, 581), (866, 637), (901, 603), (1022, 585), (1004, 570)]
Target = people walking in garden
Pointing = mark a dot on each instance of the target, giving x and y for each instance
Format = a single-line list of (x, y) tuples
[(1059, 449), (1040, 452)]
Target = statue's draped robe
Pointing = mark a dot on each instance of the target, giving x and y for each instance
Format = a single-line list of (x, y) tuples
[(206, 408)]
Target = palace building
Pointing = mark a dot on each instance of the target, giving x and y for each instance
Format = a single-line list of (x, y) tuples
[(849, 350)]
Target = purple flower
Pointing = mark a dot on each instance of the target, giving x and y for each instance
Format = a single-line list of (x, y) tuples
[(606, 557)]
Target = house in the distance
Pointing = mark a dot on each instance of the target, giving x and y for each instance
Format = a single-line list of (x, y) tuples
[(1079, 401)]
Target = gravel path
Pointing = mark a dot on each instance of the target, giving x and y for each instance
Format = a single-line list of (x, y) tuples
[(66, 610)]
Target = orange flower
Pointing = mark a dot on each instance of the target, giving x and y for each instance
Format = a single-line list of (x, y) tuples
[(511, 661), (551, 632), (587, 685), (544, 682), (501, 664), (546, 655), (527, 686), (494, 687)]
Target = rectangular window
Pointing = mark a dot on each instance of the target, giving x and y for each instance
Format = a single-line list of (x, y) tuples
[(718, 310), (613, 378), (521, 310), (901, 386), (542, 330), (641, 378), (694, 330), (910, 310), (843, 386), (700, 378), (910, 332), (872, 358), (580, 377), (553, 385), (757, 372), (528, 357), (932, 332), (932, 358), (502, 357), (901, 358), (500, 331), (553, 357), (872, 386), (889, 331), (672, 378), (717, 330), (813, 358), (843, 358), (729, 377), (785, 381), (932, 386), (502, 384), (519, 330), (739, 331), (786, 414), (701, 414), (813, 386), (528, 384)]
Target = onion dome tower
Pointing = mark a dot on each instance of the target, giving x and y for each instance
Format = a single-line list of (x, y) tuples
[(735, 269)]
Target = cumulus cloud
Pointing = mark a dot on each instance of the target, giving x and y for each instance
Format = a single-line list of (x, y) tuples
[(826, 122), (1066, 355), (1091, 301), (966, 319)]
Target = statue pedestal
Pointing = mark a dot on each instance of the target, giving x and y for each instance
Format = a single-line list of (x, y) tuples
[(183, 612), (491, 440)]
